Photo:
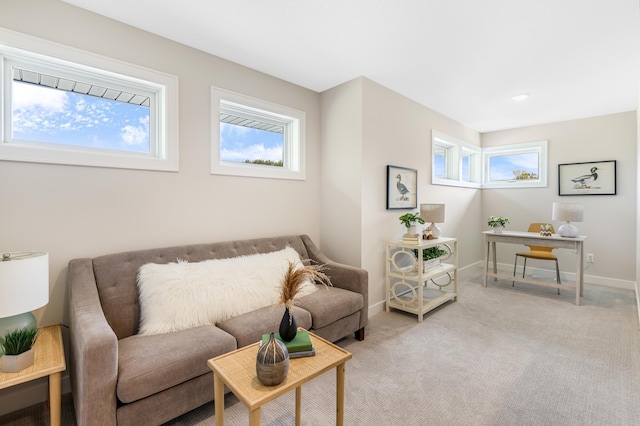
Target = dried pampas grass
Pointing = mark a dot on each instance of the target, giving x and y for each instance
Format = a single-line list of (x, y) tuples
[(294, 278)]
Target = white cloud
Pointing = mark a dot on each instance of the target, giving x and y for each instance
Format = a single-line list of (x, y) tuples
[(252, 152), (525, 161), (134, 135), (29, 96)]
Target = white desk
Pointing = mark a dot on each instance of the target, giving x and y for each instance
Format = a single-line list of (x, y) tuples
[(533, 238)]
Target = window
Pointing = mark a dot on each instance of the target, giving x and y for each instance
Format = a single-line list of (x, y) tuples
[(256, 138), (517, 165), (455, 163), (74, 107)]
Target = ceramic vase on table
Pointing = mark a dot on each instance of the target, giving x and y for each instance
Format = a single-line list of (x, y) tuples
[(272, 362), (498, 229), (288, 327)]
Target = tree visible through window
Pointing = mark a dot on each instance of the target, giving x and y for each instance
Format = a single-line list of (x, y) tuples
[(514, 167), (250, 145)]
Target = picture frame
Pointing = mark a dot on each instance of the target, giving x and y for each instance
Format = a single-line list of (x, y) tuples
[(590, 178), (402, 188)]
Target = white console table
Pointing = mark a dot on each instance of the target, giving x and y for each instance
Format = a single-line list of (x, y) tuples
[(533, 238)]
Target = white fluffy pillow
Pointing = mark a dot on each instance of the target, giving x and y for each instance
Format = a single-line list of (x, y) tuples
[(177, 296)]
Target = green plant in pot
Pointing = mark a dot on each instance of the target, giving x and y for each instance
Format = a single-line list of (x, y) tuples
[(433, 253), (430, 254), (18, 349), (497, 222), (410, 219)]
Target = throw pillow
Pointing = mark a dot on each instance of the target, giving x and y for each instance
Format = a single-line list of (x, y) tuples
[(181, 295)]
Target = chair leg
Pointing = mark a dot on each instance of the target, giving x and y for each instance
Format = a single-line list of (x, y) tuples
[(513, 283), (524, 267), (558, 275)]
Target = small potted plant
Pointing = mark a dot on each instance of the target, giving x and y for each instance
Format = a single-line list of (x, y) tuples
[(497, 223), (18, 349), (431, 257), (409, 221)]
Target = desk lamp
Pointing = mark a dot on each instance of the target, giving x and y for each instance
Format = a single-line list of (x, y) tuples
[(433, 213), (24, 287), (569, 213)]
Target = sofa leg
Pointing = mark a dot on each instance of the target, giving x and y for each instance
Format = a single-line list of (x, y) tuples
[(359, 334)]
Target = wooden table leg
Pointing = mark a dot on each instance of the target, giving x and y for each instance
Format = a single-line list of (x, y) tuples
[(218, 399), (340, 395), (55, 398), (298, 405), (254, 417)]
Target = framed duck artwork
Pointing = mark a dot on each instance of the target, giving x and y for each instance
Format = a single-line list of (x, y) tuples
[(592, 178), (402, 188)]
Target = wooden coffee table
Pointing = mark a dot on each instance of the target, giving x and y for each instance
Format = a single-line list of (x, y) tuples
[(237, 370)]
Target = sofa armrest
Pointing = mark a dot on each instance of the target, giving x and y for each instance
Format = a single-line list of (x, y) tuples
[(343, 276), (94, 349)]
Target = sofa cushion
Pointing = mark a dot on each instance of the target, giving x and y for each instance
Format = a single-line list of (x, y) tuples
[(150, 364), (330, 304), (250, 327), (177, 296)]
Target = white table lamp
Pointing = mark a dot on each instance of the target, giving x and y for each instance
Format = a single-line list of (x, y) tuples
[(433, 213), (24, 287), (569, 213)]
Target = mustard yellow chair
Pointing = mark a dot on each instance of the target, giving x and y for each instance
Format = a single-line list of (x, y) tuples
[(537, 252)]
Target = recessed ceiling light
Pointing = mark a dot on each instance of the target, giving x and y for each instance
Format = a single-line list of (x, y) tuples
[(520, 97)]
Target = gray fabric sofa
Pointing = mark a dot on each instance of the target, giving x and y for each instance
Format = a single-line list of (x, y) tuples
[(119, 377)]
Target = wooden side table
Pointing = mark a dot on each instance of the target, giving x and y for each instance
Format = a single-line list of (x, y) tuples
[(237, 370), (49, 361)]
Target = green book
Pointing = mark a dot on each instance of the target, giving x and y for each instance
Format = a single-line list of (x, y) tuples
[(300, 343)]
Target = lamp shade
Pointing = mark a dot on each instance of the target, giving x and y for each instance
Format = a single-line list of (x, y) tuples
[(24, 282), (433, 213), (567, 212)]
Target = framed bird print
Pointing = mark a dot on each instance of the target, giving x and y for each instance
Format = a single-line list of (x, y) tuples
[(402, 188), (593, 178)]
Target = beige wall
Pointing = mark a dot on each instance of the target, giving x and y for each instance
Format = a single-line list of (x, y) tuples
[(385, 128), (609, 220), (79, 211), (637, 276), (341, 171), (74, 211)]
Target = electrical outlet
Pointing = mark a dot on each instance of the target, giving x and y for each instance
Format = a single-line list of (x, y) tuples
[(591, 258)]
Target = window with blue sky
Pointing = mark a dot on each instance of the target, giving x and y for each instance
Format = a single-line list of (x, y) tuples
[(513, 167), (458, 163), (67, 106), (43, 114), (243, 144)]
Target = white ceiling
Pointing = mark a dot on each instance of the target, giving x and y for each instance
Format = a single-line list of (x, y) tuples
[(462, 58)]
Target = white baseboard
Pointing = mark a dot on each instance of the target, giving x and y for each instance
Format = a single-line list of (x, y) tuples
[(637, 302), (376, 308), (570, 276)]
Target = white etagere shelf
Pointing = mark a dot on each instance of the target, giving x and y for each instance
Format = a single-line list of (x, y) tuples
[(413, 285)]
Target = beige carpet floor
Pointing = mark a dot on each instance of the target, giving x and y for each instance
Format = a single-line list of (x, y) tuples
[(497, 356)]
